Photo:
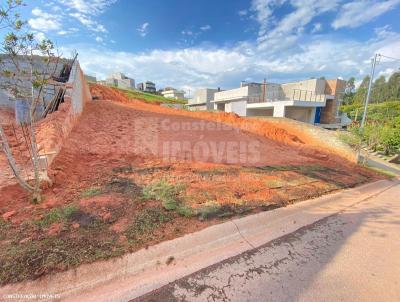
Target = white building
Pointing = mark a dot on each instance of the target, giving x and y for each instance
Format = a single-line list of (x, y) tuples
[(120, 80), (311, 101), (202, 99), (147, 87), (173, 94)]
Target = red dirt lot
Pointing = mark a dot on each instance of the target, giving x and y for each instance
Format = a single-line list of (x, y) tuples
[(132, 174)]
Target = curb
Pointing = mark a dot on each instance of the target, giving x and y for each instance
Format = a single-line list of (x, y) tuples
[(135, 274)]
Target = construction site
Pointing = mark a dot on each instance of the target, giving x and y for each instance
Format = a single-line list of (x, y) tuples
[(120, 174)]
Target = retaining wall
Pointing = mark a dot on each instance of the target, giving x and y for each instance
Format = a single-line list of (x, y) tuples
[(53, 130)]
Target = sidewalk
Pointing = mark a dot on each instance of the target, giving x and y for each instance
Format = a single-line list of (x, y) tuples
[(349, 256)]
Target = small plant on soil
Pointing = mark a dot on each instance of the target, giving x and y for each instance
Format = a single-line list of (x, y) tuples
[(4, 226), (209, 210), (146, 222), (57, 215), (165, 192), (91, 192), (274, 184), (186, 211)]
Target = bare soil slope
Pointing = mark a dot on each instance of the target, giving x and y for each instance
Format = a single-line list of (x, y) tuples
[(118, 187)]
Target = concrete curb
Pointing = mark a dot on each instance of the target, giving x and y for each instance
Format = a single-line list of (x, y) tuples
[(135, 274)]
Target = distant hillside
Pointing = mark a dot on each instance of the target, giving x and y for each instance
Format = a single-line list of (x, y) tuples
[(150, 98)]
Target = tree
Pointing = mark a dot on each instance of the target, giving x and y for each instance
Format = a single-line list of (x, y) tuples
[(379, 90), (349, 91), (359, 96), (25, 67), (393, 86)]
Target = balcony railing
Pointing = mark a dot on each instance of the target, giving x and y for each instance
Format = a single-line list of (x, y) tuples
[(294, 95), (308, 96)]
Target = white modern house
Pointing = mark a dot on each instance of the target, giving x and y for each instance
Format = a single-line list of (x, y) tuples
[(120, 80), (311, 101), (147, 87), (172, 93), (202, 99)]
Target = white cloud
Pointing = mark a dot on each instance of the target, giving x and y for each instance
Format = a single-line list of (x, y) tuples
[(187, 32), (89, 22), (39, 36), (285, 32), (359, 12), (99, 39), (317, 27), (143, 29), (320, 56), (386, 72), (85, 12), (68, 31), (205, 27), (88, 7), (242, 12), (43, 21), (264, 10)]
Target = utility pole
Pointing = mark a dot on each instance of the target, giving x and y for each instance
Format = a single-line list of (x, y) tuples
[(371, 79), (263, 91)]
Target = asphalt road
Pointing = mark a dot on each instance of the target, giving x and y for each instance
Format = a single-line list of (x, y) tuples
[(350, 256)]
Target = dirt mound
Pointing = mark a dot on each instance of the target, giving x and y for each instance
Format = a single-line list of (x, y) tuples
[(258, 127)]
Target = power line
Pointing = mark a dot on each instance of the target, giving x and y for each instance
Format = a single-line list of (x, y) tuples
[(396, 59)]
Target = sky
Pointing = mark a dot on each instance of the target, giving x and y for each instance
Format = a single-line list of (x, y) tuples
[(190, 44)]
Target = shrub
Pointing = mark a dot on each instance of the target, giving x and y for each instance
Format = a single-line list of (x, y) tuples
[(186, 211)]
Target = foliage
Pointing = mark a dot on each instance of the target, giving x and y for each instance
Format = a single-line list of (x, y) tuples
[(376, 136), (57, 215), (381, 91), (387, 111)]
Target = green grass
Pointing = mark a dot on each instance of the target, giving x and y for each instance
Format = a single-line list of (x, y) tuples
[(91, 192), (33, 259), (4, 226), (208, 210), (57, 215), (391, 175), (150, 98), (165, 192), (144, 224)]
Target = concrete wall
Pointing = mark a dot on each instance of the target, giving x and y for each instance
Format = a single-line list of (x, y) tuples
[(39, 64), (200, 107), (329, 114), (300, 114), (239, 107), (55, 128), (260, 112), (173, 94), (315, 85), (236, 93), (205, 95), (5, 101)]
